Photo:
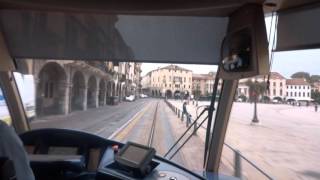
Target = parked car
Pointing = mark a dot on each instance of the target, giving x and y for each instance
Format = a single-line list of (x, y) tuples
[(240, 100), (130, 98), (143, 96)]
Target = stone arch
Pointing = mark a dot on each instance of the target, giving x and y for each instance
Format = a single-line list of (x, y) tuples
[(92, 94), (177, 94), (78, 91), (186, 95), (51, 90), (168, 93), (278, 98), (102, 92)]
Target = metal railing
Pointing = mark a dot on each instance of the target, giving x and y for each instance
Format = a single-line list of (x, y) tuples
[(238, 163), (238, 157)]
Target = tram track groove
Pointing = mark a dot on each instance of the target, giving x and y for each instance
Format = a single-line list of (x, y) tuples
[(137, 128), (153, 126)]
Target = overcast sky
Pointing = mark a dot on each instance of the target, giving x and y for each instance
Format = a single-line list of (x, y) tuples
[(286, 63)]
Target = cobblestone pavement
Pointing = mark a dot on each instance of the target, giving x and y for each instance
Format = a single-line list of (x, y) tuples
[(286, 143), (102, 121)]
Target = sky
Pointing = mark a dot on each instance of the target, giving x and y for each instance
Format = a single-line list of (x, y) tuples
[(286, 63)]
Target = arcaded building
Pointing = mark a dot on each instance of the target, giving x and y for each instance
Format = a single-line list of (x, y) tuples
[(65, 86)]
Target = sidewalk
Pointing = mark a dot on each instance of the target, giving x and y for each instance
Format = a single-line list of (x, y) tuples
[(193, 150)]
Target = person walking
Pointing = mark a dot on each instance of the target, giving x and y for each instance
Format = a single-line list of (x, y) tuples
[(184, 110), (316, 107)]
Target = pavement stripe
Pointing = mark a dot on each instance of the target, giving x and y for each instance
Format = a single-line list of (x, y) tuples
[(120, 133)]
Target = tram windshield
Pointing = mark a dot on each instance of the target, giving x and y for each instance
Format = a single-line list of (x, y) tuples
[(114, 90)]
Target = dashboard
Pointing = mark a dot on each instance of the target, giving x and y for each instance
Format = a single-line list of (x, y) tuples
[(76, 155)]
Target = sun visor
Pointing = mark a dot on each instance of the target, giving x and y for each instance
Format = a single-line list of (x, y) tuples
[(167, 39), (298, 29)]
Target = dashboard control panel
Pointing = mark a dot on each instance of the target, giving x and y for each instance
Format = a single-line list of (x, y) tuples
[(70, 154)]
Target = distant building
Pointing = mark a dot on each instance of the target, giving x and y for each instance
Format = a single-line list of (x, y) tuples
[(316, 87), (298, 89), (168, 81), (203, 84), (277, 85), (243, 90)]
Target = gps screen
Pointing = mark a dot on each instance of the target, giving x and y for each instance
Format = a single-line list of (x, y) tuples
[(134, 154)]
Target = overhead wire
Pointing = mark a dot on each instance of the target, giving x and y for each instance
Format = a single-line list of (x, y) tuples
[(274, 23)]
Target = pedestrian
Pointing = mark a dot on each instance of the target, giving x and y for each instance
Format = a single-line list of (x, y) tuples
[(184, 110), (316, 107)]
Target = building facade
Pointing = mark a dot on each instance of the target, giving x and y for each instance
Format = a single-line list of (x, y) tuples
[(168, 82), (202, 84), (279, 88), (298, 89), (316, 87), (65, 86)]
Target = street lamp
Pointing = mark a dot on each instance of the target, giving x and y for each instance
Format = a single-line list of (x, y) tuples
[(255, 119)]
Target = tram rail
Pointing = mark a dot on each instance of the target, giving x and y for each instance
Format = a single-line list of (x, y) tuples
[(153, 126), (130, 127)]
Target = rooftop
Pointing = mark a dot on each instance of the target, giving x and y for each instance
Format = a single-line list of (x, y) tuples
[(175, 67), (209, 76), (297, 81), (273, 75)]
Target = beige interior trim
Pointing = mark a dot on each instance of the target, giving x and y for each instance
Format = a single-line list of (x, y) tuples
[(6, 62)]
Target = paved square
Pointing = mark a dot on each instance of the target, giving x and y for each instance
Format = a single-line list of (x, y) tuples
[(286, 143)]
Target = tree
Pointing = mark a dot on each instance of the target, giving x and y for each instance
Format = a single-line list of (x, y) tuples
[(256, 89), (243, 98), (301, 74), (315, 78), (316, 96), (196, 93)]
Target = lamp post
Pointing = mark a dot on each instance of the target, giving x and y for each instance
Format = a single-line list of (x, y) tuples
[(255, 119)]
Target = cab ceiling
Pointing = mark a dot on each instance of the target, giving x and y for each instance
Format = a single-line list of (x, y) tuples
[(168, 31), (149, 7)]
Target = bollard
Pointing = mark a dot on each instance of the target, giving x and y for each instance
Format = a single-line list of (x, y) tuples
[(195, 129), (237, 165), (187, 121)]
